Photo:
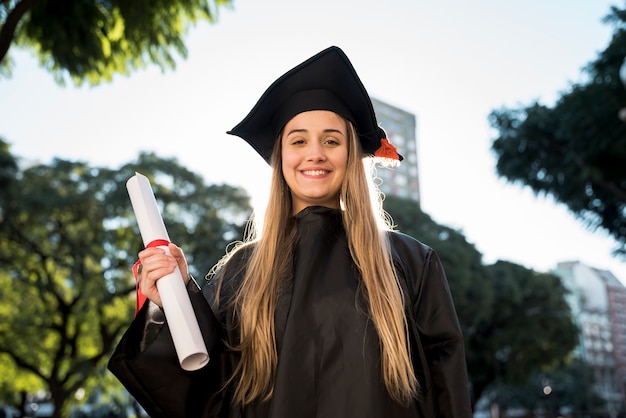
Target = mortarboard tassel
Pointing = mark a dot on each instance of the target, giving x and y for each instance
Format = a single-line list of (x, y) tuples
[(387, 153)]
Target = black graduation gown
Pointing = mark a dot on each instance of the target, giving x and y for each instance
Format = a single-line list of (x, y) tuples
[(328, 350)]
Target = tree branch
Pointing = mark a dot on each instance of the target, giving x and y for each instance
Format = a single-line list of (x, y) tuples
[(7, 32), (22, 363), (607, 185)]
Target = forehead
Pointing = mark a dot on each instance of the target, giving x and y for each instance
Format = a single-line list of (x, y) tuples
[(323, 119)]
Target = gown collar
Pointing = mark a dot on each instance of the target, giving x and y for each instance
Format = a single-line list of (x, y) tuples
[(311, 211)]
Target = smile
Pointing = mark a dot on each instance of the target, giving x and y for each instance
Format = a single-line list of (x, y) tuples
[(315, 172)]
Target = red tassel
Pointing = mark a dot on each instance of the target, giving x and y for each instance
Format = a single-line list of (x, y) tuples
[(388, 152)]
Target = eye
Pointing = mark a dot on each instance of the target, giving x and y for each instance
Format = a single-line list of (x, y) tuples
[(331, 140)]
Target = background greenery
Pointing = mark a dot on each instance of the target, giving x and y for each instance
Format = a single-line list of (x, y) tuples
[(68, 237)]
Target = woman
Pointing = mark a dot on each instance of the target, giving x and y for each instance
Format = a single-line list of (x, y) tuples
[(327, 313)]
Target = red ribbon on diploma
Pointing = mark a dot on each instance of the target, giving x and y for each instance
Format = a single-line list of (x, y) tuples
[(141, 298)]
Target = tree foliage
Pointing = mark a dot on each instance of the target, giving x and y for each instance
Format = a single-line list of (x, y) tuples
[(575, 150), (93, 40), (68, 239), (532, 327), (515, 321), (567, 389)]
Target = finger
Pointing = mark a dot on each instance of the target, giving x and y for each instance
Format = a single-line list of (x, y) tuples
[(178, 254), (155, 265), (148, 252), (158, 266)]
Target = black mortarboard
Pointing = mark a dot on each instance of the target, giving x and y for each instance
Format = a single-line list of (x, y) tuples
[(326, 81)]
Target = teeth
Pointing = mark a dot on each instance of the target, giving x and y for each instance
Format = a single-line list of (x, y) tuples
[(314, 172)]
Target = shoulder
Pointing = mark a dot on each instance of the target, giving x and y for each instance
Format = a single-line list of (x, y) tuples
[(226, 277), (233, 264), (407, 248), (415, 262), (239, 256)]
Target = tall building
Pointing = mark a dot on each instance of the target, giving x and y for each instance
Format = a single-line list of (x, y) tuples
[(402, 181), (616, 293), (598, 303)]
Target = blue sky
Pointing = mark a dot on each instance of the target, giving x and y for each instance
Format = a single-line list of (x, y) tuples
[(450, 63)]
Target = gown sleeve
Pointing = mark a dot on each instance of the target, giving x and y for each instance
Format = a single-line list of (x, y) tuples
[(146, 363), (439, 353)]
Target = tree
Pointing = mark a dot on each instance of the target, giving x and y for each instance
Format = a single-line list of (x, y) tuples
[(575, 151), (93, 40), (566, 387), (532, 327), (8, 166), (68, 239), (462, 262), (514, 320)]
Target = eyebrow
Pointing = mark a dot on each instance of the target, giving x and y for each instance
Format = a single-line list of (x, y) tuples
[(330, 130)]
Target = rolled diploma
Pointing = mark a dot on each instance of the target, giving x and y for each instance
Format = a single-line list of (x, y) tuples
[(190, 347)]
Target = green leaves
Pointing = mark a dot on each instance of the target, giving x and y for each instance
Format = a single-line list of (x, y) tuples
[(94, 40), (576, 150), (68, 240)]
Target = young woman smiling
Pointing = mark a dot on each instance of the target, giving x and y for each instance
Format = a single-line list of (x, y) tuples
[(325, 312)]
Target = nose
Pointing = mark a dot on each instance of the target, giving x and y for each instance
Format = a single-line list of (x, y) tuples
[(315, 152)]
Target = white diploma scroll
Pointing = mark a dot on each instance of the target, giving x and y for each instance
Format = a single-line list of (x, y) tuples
[(190, 347)]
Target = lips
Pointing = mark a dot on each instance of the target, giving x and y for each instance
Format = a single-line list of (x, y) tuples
[(315, 173)]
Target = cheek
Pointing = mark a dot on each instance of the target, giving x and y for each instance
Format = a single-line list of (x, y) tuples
[(341, 160), (290, 159), (288, 162)]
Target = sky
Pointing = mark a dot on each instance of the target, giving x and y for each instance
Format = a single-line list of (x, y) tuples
[(450, 63)]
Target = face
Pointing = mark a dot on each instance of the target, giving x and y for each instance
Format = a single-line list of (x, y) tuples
[(314, 158)]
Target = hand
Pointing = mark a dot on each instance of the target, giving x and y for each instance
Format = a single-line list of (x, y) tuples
[(155, 264)]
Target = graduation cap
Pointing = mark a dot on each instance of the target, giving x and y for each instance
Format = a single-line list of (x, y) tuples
[(326, 81)]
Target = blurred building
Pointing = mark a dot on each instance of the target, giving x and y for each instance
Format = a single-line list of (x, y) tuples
[(598, 302), (402, 181)]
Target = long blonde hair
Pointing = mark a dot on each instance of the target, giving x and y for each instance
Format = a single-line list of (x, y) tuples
[(255, 301)]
